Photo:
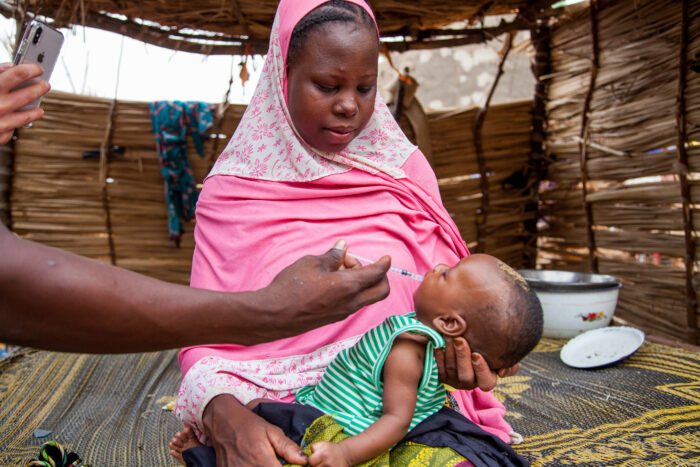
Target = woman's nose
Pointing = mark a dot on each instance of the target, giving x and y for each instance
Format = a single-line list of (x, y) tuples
[(346, 105)]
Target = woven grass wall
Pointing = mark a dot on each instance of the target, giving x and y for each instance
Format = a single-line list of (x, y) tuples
[(59, 199), (623, 179), (506, 145)]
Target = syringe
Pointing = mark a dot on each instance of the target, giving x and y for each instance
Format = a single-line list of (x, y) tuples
[(403, 272)]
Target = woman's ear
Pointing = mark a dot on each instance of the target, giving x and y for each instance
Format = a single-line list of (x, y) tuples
[(450, 324)]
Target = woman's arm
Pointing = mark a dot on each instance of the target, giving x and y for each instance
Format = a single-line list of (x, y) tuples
[(402, 373), (10, 101), (242, 438), (95, 307)]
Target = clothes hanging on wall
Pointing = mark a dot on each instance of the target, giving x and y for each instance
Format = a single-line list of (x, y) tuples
[(171, 120)]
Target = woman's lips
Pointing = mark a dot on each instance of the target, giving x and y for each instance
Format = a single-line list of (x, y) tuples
[(341, 135)]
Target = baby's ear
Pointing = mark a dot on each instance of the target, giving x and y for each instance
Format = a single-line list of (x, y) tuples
[(450, 324)]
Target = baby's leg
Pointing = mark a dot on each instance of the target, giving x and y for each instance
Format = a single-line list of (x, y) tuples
[(183, 440)]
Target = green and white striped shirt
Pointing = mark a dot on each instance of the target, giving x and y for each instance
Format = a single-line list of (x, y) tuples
[(351, 389)]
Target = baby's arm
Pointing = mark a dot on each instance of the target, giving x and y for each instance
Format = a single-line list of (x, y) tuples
[(402, 374)]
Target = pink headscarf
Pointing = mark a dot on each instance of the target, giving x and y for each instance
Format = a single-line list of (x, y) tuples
[(266, 145), (271, 199)]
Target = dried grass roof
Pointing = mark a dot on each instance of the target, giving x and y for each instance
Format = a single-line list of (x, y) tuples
[(224, 27)]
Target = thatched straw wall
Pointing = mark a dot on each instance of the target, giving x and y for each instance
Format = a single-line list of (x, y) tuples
[(506, 145), (58, 198), (617, 86)]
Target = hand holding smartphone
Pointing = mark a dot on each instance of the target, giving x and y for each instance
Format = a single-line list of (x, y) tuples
[(40, 45), (22, 85)]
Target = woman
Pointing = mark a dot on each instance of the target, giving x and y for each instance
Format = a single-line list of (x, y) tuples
[(316, 156)]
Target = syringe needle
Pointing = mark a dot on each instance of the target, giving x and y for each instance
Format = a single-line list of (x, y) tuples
[(403, 272)]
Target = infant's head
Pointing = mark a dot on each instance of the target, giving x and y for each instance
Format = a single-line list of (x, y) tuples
[(485, 301)]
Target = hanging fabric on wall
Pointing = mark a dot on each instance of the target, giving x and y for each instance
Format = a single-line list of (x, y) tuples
[(170, 121)]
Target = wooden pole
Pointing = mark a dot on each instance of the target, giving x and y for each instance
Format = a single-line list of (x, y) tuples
[(482, 215), (540, 37), (688, 228), (103, 173), (105, 150), (584, 134)]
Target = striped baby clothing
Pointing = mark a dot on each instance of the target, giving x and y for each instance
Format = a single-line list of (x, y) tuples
[(351, 389)]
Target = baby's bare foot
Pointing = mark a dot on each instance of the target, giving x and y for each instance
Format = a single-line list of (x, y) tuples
[(182, 440)]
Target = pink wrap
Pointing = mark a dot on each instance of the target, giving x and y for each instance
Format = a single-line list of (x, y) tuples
[(250, 225)]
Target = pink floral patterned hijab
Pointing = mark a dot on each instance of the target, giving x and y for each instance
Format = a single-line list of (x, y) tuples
[(266, 145)]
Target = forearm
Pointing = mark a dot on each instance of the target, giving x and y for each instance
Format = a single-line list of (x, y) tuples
[(221, 415), (379, 437), (50, 298)]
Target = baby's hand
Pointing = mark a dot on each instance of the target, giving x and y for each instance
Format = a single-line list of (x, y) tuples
[(327, 454)]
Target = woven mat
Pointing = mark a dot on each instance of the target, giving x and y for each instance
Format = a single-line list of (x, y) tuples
[(644, 411), (102, 407)]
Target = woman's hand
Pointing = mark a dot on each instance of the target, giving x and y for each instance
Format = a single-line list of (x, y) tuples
[(462, 369), (318, 290), (10, 101), (242, 438)]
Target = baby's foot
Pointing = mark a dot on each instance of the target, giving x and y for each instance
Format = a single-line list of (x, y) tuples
[(182, 440)]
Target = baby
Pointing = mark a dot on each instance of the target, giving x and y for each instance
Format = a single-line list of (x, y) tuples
[(387, 383)]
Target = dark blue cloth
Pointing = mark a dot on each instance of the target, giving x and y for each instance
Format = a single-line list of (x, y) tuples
[(445, 428), (170, 121), (294, 419), (448, 428)]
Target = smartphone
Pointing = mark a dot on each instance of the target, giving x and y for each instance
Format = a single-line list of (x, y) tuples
[(40, 44)]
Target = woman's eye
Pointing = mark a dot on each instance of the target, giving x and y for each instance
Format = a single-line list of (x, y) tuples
[(444, 274), (325, 88), (365, 89)]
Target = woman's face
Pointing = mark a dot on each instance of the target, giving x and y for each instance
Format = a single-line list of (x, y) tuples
[(332, 84)]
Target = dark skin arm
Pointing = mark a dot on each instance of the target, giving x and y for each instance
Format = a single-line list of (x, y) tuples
[(98, 308), (10, 101), (242, 438), (402, 374)]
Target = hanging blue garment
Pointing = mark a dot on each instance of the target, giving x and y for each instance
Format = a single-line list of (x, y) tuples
[(170, 121)]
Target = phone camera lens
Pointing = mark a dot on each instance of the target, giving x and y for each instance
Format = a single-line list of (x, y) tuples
[(37, 35)]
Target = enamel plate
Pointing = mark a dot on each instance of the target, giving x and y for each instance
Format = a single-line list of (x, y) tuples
[(601, 347)]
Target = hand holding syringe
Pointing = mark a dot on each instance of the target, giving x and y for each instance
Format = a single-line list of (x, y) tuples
[(403, 272)]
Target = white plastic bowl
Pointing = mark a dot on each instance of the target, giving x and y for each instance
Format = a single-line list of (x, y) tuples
[(573, 302)]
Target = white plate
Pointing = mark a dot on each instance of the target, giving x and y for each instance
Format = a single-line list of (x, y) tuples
[(601, 347)]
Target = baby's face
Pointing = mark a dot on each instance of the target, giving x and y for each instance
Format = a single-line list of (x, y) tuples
[(471, 286), (462, 287)]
